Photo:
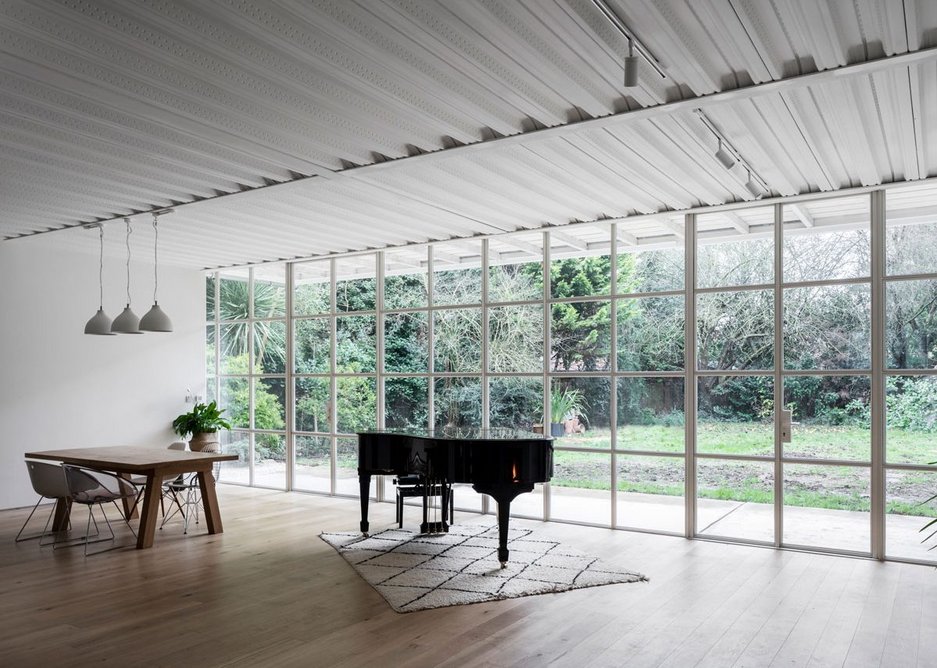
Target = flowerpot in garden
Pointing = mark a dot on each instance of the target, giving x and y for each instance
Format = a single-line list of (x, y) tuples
[(557, 429), (206, 441)]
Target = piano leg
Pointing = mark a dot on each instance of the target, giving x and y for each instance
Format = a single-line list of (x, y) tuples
[(503, 495), (364, 483)]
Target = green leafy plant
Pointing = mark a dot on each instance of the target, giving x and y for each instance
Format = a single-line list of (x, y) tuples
[(566, 404), (203, 418)]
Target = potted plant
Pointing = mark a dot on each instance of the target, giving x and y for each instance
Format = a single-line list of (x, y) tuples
[(203, 423), (565, 404)]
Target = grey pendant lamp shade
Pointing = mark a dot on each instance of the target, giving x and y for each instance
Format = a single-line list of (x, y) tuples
[(156, 320), (100, 323), (127, 322)]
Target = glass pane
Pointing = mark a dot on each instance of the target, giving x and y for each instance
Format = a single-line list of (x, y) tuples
[(356, 404), (651, 334), (406, 403), (210, 350), (210, 298), (580, 413), (234, 348), (269, 292), (312, 287), (515, 338), (406, 343), (270, 346), (735, 330), (313, 402), (736, 415), (405, 278), (581, 265), (580, 487), (831, 415), (458, 402), (270, 460), (236, 443), (523, 505), (581, 336), (735, 248), (814, 252), (355, 343), (827, 327), (235, 401), (827, 506), (911, 420), (911, 324), (515, 268), (313, 464), (269, 403), (911, 230), (736, 499), (355, 283), (234, 301), (312, 345), (210, 390), (457, 340), (651, 493), (650, 270), (650, 414), (457, 273), (516, 403), (908, 511), (346, 469)]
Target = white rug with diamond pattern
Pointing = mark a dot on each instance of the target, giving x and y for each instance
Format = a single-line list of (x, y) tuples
[(420, 571)]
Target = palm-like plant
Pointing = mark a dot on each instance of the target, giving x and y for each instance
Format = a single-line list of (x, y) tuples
[(234, 305)]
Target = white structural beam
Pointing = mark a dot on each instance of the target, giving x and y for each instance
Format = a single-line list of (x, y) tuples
[(569, 240), (736, 221), (802, 214)]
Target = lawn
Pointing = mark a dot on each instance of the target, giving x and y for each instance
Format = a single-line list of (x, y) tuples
[(809, 485)]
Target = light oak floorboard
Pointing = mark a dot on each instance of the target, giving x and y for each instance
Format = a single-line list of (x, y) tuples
[(269, 592)]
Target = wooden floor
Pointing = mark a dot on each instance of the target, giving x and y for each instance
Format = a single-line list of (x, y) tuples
[(269, 592)]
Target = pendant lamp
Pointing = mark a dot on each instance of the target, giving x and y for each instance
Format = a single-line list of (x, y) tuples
[(156, 320), (127, 322), (100, 323)]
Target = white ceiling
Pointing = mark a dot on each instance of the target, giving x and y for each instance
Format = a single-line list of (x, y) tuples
[(402, 121)]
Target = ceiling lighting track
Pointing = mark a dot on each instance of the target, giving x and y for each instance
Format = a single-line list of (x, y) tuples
[(631, 60), (728, 155)]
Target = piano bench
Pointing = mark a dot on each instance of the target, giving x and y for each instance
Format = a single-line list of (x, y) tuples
[(412, 485)]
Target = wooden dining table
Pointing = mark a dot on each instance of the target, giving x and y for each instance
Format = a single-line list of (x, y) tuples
[(157, 464)]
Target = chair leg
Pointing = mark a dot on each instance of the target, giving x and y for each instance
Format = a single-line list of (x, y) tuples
[(18, 539), (399, 510)]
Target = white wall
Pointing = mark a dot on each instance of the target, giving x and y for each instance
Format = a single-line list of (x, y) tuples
[(61, 388)]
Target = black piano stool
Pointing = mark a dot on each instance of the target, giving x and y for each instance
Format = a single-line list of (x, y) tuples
[(412, 485)]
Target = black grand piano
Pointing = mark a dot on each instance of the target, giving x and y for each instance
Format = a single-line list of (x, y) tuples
[(499, 462)]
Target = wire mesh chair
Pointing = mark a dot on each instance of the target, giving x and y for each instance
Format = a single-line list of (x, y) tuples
[(185, 494), (48, 481), (91, 488)]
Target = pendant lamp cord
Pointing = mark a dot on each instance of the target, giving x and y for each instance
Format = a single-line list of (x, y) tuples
[(101, 268), (129, 230), (155, 257)]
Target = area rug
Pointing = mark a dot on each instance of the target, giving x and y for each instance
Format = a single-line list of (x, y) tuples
[(415, 571)]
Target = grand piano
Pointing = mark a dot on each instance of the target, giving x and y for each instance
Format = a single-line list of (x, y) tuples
[(502, 463)]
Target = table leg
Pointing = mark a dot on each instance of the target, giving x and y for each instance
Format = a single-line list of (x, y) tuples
[(130, 506), (63, 509), (206, 482), (148, 518)]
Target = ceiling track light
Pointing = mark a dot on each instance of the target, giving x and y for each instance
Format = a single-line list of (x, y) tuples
[(100, 323), (631, 60), (156, 320), (127, 322), (728, 156)]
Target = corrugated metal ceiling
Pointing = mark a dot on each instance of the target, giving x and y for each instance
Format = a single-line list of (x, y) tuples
[(111, 108)]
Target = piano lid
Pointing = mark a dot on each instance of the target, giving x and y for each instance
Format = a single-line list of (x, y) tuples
[(466, 434)]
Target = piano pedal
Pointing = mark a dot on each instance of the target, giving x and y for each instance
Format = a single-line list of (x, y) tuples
[(434, 527)]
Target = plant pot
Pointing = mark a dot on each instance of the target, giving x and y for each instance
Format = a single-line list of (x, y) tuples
[(206, 441), (557, 429)]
